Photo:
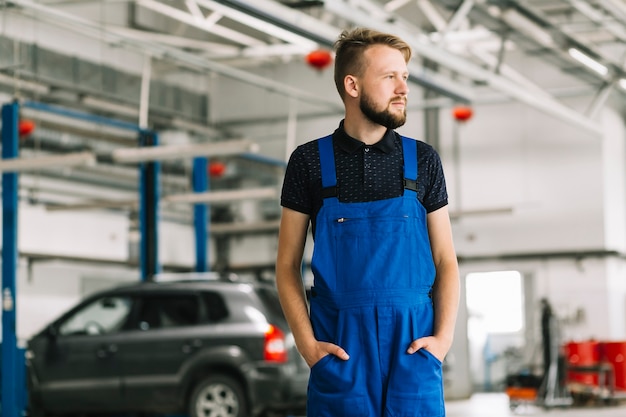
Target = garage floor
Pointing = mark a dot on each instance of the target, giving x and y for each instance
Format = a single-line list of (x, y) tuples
[(497, 405)]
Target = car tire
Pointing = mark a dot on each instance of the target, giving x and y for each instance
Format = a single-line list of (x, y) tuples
[(218, 396)]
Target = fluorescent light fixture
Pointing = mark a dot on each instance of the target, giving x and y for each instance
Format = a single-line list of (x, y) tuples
[(588, 61), (223, 196), (41, 162), (162, 153), (622, 83)]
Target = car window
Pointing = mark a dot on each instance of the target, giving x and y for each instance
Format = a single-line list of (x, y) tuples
[(167, 311), (270, 299), (103, 315), (215, 306)]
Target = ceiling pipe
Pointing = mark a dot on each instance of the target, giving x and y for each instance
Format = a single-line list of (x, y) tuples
[(130, 204), (270, 226), (432, 14), (615, 7), (209, 197), (544, 255), (224, 196), (595, 16), (459, 16)]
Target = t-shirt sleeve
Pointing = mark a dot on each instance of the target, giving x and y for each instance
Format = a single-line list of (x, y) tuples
[(295, 193), (435, 193)]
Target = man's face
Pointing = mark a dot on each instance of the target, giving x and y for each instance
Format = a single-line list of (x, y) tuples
[(384, 89)]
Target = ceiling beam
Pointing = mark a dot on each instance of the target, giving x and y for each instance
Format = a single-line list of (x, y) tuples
[(170, 152), (191, 19), (48, 161), (259, 24)]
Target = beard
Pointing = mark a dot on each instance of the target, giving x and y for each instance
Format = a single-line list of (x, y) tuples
[(382, 117)]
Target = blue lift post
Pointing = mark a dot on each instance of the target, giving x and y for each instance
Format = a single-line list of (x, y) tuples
[(149, 210), (148, 187), (201, 214), (10, 362)]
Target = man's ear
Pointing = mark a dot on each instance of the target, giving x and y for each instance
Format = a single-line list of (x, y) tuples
[(351, 85)]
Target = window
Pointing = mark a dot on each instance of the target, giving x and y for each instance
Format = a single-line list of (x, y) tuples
[(497, 300), (271, 301), (167, 311), (215, 305), (104, 315), (495, 326)]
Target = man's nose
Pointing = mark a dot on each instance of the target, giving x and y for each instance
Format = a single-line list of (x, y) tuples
[(403, 88)]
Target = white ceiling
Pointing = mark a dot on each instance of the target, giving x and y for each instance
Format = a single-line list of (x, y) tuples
[(463, 47)]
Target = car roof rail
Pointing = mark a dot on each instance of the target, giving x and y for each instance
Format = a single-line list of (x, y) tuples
[(196, 276)]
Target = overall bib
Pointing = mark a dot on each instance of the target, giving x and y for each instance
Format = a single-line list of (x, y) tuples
[(373, 273)]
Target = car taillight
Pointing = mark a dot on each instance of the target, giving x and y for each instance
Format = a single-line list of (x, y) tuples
[(275, 349)]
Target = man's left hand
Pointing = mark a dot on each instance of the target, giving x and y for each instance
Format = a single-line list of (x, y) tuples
[(434, 345)]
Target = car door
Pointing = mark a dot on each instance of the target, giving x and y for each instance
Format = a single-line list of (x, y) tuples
[(75, 360), (154, 349)]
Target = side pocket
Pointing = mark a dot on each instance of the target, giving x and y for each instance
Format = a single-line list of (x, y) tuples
[(431, 356), (417, 387), (333, 392), (321, 363)]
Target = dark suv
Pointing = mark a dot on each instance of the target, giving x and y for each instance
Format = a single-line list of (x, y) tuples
[(202, 348)]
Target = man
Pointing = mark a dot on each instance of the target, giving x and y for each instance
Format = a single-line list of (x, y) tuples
[(386, 286)]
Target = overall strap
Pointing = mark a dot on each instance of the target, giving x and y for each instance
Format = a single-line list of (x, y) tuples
[(327, 165), (409, 147)]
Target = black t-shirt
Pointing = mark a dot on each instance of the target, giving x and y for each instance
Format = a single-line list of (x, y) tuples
[(364, 173)]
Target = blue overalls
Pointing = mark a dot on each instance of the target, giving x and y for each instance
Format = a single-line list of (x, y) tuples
[(373, 272)]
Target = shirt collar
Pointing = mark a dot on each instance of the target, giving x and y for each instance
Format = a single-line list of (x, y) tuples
[(350, 145)]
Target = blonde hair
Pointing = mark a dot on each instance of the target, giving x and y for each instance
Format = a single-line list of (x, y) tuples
[(350, 47)]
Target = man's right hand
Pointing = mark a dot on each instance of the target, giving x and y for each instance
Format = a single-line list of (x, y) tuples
[(322, 349)]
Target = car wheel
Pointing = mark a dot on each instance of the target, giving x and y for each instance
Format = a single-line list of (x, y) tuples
[(217, 396)]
